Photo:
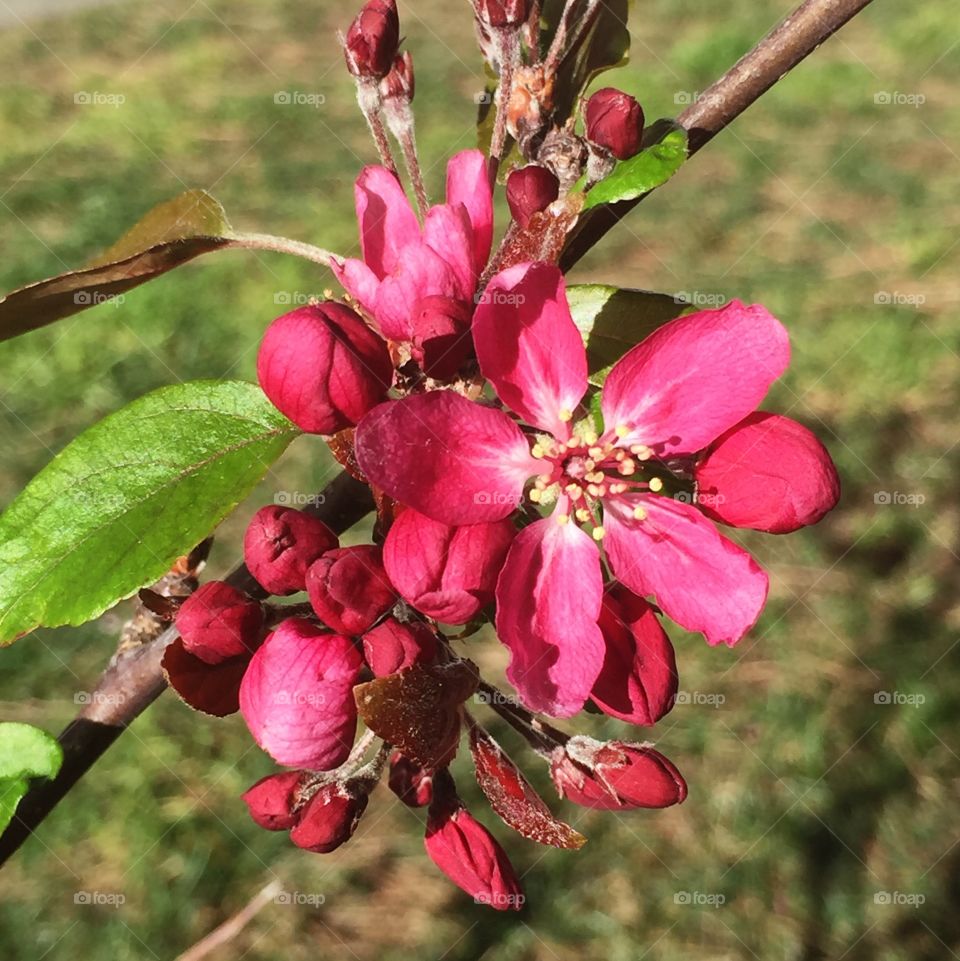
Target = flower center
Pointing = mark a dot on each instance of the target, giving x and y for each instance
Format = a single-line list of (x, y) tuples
[(579, 473)]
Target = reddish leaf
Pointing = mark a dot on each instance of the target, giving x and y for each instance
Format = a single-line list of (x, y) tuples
[(513, 798), (418, 710), (210, 688)]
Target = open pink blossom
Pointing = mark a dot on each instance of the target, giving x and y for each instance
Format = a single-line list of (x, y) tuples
[(404, 264), (663, 403)]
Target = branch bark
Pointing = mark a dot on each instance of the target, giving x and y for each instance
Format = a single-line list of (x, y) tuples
[(791, 41), (134, 680)]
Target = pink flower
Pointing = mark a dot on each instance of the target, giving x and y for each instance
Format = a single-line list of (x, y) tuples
[(403, 264), (663, 403), (297, 696), (218, 622)]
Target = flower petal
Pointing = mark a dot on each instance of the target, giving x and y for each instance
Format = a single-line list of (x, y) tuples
[(387, 221), (358, 280), (468, 184), (695, 377), (447, 457), (548, 601), (768, 473), (447, 231), (700, 579), (529, 347), (297, 696)]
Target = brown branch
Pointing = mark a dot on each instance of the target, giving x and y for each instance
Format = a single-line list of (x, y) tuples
[(793, 39), (134, 680)]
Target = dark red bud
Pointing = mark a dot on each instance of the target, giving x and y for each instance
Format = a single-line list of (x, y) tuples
[(411, 782), (371, 42), (441, 336), (399, 84), (530, 190), (502, 13), (391, 646), (323, 367), (330, 817), (272, 799), (615, 121), (281, 543), (349, 589), (218, 622), (615, 775)]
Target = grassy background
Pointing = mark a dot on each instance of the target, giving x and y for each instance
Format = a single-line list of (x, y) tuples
[(809, 800)]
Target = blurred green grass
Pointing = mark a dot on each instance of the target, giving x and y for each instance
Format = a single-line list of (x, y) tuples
[(808, 799)]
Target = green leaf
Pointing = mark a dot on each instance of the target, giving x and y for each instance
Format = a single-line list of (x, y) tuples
[(650, 168), (25, 752), (614, 319), (117, 506)]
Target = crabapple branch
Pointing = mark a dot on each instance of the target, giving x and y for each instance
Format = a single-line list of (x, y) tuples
[(791, 41)]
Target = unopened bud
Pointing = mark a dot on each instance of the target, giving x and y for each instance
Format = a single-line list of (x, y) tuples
[(530, 190), (349, 589), (441, 335), (281, 543), (411, 782), (331, 816), (391, 646), (399, 84), (323, 367), (614, 121), (371, 42), (218, 622), (272, 800), (615, 775), (502, 13)]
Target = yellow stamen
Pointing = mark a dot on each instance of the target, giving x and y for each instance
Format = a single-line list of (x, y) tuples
[(535, 495), (639, 513), (598, 533), (537, 451), (563, 519), (622, 430), (656, 484), (583, 515), (565, 415)]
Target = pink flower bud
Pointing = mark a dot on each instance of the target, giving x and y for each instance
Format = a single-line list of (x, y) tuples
[(768, 473), (399, 83), (297, 696), (349, 589), (441, 336), (391, 646), (271, 801), (615, 775), (502, 13), (614, 121), (323, 367), (468, 853), (638, 680), (281, 543), (330, 817), (218, 622), (371, 42), (530, 190), (411, 782), (447, 573)]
